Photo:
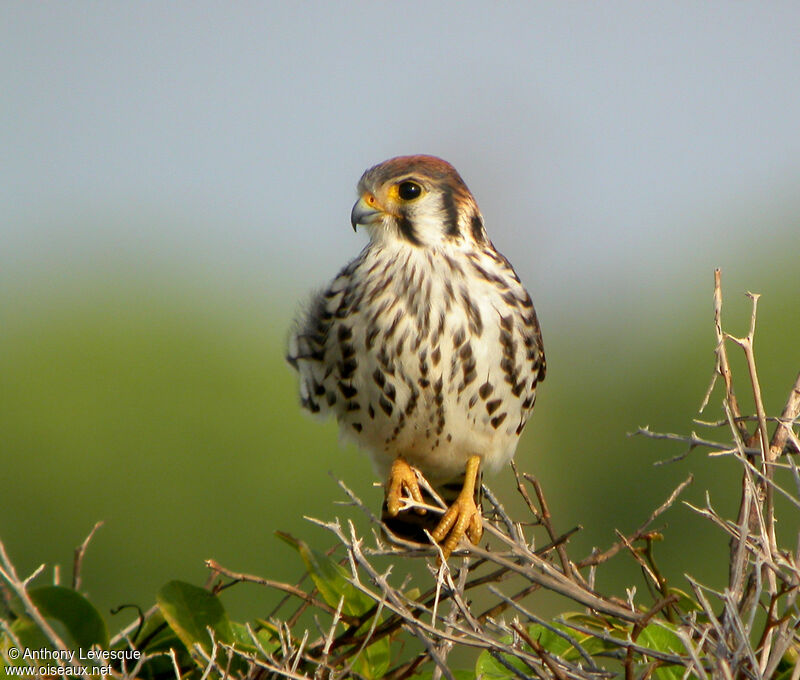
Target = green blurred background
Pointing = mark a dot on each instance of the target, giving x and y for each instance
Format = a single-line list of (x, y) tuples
[(177, 179)]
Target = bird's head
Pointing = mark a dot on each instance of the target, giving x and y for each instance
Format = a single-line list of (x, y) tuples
[(417, 200)]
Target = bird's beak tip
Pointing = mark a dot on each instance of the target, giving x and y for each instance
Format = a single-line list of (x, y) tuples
[(363, 213)]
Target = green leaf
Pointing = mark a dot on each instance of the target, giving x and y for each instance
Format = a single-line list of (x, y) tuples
[(29, 637), (374, 660), (70, 614), (156, 633), (244, 642), (606, 624), (554, 644), (489, 668), (74, 618), (190, 611), (591, 644), (685, 601), (660, 637), (159, 638), (413, 594), (330, 578), (458, 675)]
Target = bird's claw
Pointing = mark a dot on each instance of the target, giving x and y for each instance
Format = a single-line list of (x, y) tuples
[(402, 484), (462, 518)]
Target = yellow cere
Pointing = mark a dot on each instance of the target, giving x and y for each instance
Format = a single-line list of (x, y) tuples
[(394, 193)]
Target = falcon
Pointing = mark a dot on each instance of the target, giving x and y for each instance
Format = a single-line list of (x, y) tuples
[(426, 347)]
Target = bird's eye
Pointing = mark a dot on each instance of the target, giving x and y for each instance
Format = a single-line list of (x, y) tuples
[(409, 190)]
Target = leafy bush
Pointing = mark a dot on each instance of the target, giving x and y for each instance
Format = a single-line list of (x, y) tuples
[(358, 612)]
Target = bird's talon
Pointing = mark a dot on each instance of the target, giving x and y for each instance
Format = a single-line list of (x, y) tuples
[(463, 518), (402, 485)]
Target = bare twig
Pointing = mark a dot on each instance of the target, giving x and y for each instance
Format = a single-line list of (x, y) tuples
[(789, 415), (600, 557), (20, 589), (277, 585), (722, 368), (544, 517), (740, 632), (543, 573), (80, 551), (557, 631)]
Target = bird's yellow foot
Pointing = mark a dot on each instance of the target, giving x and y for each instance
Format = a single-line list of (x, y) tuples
[(463, 517), (402, 478)]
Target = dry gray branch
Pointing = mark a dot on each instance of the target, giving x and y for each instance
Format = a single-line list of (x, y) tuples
[(742, 631)]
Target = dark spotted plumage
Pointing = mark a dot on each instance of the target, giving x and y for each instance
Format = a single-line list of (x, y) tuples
[(425, 346)]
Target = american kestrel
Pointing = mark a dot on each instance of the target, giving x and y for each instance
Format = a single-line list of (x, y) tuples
[(426, 347)]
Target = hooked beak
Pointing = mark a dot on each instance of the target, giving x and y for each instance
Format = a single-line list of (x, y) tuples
[(365, 211)]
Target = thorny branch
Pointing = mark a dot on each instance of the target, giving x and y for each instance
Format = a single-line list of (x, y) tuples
[(438, 629), (761, 575), (718, 645), (741, 632)]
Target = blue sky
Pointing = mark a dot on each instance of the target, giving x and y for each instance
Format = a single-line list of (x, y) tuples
[(614, 148)]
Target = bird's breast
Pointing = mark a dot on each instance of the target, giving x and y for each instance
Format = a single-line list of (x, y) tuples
[(427, 357)]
